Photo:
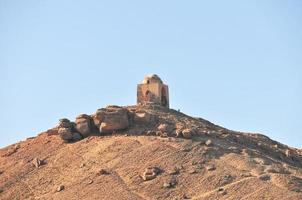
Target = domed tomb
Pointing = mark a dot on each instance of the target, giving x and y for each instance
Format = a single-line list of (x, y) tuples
[(153, 90)]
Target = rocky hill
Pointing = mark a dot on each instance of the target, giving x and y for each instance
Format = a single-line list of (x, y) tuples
[(148, 152)]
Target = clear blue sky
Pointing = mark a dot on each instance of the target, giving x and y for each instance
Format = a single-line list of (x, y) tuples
[(235, 63)]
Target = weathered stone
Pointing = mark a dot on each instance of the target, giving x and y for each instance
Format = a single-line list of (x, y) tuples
[(66, 134), (150, 173), (98, 117), (143, 117), (76, 136), (60, 188), (112, 119), (66, 130), (65, 123), (84, 125), (37, 162)]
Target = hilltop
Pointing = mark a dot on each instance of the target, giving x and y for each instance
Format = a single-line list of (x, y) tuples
[(158, 153)]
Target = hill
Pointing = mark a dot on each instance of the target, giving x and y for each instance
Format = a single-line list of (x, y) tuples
[(161, 154)]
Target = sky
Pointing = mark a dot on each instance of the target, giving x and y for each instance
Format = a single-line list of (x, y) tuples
[(235, 63)]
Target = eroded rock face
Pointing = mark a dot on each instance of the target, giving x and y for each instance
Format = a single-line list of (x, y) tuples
[(143, 117), (84, 125), (66, 129), (67, 132), (112, 118)]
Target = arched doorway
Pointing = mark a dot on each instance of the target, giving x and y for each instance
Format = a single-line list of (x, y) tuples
[(164, 100), (147, 96)]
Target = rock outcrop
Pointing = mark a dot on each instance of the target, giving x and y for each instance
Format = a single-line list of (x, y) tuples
[(111, 119), (67, 131), (84, 125)]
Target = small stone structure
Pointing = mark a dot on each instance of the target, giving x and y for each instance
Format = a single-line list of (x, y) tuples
[(153, 90)]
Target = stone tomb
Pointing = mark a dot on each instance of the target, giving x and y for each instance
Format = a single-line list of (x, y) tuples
[(153, 90)]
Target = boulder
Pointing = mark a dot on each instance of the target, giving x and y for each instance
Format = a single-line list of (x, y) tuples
[(66, 134), (67, 131), (84, 125), (60, 188), (65, 123), (112, 119), (99, 117)]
